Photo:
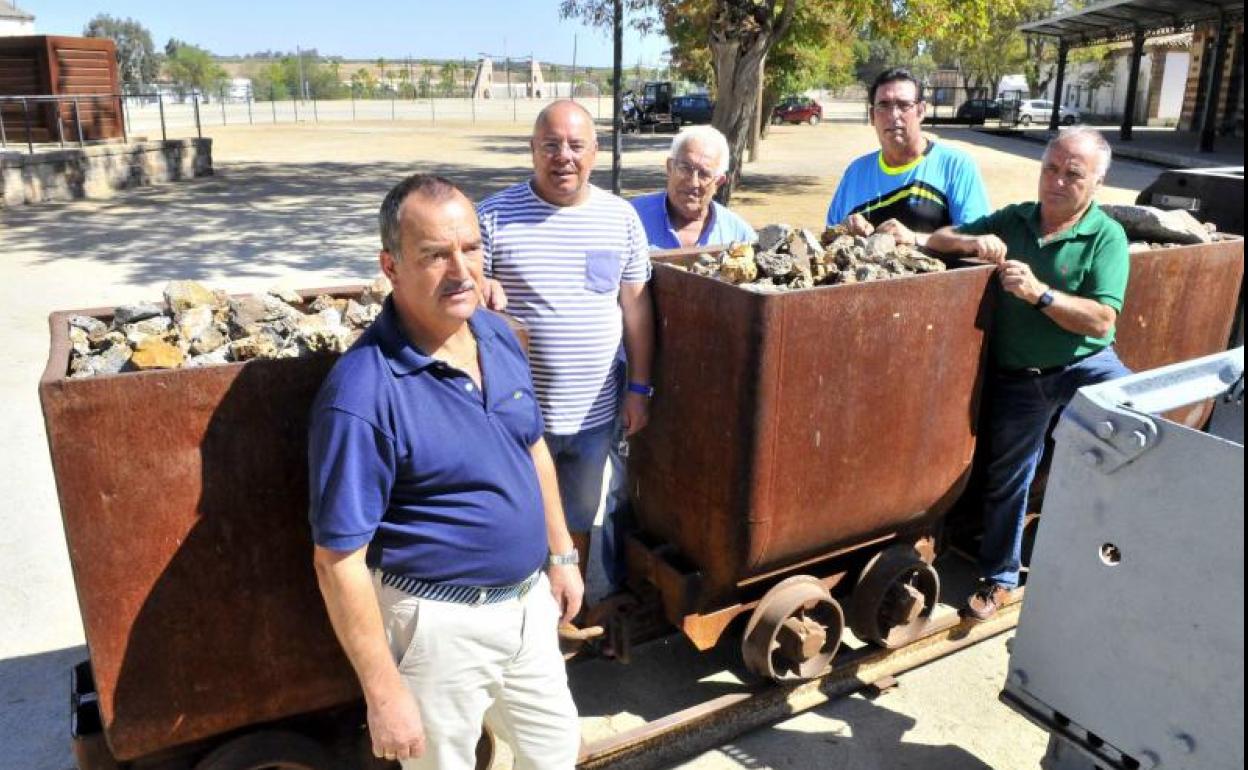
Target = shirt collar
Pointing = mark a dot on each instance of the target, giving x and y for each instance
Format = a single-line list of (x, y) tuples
[(1088, 224), (707, 227), (405, 358)]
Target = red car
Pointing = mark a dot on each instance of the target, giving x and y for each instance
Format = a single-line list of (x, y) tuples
[(797, 109)]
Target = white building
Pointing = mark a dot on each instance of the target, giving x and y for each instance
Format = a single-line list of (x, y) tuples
[(1159, 89), (14, 21)]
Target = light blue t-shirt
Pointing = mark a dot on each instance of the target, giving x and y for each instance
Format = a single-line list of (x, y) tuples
[(724, 227), (941, 187)]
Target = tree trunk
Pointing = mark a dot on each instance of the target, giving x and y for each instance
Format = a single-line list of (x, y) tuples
[(770, 99), (741, 35), (756, 127)]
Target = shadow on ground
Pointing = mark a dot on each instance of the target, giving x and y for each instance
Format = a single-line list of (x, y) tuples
[(250, 220), (852, 733), (34, 709)]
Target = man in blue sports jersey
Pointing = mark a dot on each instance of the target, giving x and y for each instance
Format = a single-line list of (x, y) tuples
[(912, 185)]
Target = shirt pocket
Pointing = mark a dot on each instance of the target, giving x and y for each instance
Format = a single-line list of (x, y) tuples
[(602, 271)]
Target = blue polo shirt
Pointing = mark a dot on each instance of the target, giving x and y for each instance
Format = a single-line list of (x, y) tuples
[(725, 227), (408, 456)]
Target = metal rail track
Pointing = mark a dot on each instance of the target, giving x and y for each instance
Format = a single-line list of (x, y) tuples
[(669, 739)]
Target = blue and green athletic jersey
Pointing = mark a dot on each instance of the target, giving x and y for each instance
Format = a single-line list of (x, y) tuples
[(940, 187)]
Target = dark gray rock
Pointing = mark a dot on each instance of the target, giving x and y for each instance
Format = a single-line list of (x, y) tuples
[(1145, 223), (128, 314)]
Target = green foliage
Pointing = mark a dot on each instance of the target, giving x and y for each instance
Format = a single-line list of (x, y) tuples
[(446, 78), (280, 79), (138, 63), (192, 68)]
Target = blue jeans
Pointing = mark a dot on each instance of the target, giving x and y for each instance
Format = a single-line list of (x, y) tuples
[(580, 459), (1020, 410), (616, 519)]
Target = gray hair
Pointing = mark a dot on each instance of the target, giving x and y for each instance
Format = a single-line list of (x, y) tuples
[(710, 138), (429, 185), (1084, 133)]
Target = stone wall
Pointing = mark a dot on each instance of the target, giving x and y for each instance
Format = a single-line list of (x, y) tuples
[(97, 171)]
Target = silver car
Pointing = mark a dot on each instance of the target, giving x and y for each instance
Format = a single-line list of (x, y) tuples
[(1040, 110)]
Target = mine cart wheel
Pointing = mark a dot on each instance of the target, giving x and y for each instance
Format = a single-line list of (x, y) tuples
[(276, 749), (894, 598), (794, 631)]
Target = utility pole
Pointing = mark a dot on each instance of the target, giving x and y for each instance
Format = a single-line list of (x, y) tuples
[(303, 84), (616, 96), (573, 86)]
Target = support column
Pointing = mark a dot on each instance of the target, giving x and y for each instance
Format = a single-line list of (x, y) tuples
[(617, 95), (1209, 120), (1056, 117), (1133, 84)]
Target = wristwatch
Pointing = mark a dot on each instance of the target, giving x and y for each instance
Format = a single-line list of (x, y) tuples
[(1045, 300), (560, 559), (643, 390)]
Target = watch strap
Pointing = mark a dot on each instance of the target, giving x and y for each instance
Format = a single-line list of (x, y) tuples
[(559, 559), (640, 389)]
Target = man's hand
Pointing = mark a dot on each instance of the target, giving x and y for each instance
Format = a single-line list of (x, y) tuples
[(901, 234), (568, 589), (395, 726), (990, 248), (636, 412), (857, 224), (1017, 279), (493, 296)]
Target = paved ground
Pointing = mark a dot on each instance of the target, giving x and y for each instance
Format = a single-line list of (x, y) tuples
[(299, 202)]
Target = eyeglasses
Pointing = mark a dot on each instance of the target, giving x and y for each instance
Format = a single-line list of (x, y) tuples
[(690, 171), (552, 149), (901, 106)]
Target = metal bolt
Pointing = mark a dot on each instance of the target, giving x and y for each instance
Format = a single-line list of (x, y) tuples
[(1093, 457), (1105, 429), (1139, 439)]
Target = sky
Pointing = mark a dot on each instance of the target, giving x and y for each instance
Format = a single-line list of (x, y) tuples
[(361, 29)]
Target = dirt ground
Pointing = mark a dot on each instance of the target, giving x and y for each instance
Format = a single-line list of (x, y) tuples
[(299, 203)]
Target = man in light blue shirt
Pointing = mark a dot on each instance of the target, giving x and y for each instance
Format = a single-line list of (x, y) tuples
[(685, 213)]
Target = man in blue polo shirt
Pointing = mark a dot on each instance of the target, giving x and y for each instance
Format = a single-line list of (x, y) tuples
[(441, 547), (685, 213), (912, 185)]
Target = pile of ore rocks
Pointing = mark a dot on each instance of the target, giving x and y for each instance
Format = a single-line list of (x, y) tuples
[(787, 258), (199, 327), (1152, 228)]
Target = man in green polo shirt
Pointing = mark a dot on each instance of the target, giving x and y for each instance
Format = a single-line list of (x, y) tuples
[(1062, 264)]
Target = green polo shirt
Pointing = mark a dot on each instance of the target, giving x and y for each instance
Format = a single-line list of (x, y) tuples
[(1089, 260)]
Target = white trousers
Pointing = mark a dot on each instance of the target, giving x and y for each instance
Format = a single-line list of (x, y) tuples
[(498, 664)]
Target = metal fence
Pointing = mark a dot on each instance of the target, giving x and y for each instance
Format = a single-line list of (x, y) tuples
[(31, 113)]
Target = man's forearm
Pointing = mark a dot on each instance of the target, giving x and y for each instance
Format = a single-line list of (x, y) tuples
[(946, 240), (351, 602), (638, 332), (1080, 315), (556, 524)]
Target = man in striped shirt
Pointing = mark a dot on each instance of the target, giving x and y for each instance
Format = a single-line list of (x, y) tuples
[(574, 262)]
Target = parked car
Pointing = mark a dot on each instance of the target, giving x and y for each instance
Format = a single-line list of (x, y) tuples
[(1039, 111), (687, 110), (797, 109), (976, 111)]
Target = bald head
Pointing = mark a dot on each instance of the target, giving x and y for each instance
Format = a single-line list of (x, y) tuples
[(561, 110), (564, 149)]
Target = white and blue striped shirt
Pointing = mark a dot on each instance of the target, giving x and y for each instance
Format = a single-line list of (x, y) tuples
[(561, 267)]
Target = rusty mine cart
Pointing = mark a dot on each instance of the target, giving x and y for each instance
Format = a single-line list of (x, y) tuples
[(803, 450)]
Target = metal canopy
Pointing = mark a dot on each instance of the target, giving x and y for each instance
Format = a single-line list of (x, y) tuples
[(1116, 20)]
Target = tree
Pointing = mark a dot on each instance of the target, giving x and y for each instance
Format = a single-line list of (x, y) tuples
[(446, 78), (137, 60), (192, 68)]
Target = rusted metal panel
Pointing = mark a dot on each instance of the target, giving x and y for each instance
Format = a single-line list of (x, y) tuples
[(56, 65), (789, 426), (1180, 305), (184, 500)]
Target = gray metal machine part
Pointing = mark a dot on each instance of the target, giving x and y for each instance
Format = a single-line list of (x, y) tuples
[(1130, 647)]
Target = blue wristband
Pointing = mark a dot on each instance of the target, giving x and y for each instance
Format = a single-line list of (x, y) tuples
[(641, 390)]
